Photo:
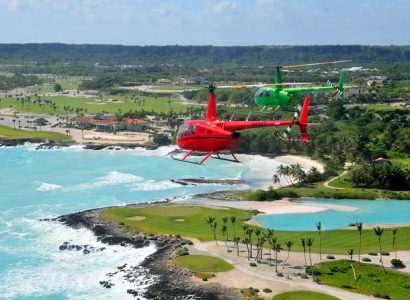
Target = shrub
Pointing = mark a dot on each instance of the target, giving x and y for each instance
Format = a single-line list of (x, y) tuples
[(309, 271), (330, 257), (385, 253), (279, 274), (304, 276), (334, 269), (406, 286), (366, 259), (267, 290), (397, 263), (252, 264), (372, 253), (383, 296)]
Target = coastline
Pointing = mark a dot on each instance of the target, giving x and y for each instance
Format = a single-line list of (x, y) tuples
[(170, 280)]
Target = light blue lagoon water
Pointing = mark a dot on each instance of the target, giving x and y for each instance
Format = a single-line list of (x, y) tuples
[(48, 183), (368, 211)]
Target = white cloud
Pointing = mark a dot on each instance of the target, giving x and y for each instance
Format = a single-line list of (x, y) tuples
[(11, 4), (225, 7)]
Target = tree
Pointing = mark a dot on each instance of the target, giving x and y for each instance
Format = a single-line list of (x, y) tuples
[(350, 252), (359, 226), (394, 231), (303, 243), (249, 232), (379, 232), (236, 241), (309, 244), (289, 245), (225, 235), (213, 227), (225, 221), (319, 229), (246, 241), (233, 220), (57, 87), (276, 248)]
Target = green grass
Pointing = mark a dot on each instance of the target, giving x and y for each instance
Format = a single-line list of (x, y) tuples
[(383, 107), (342, 182), (303, 295), (109, 104), (161, 220), (373, 280), (318, 190), (15, 134), (171, 87), (203, 263), (50, 88)]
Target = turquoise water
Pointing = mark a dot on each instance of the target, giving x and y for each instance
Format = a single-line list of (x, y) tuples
[(48, 183), (368, 211)]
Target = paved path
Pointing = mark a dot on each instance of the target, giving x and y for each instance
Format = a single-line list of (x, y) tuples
[(263, 276), (326, 183)]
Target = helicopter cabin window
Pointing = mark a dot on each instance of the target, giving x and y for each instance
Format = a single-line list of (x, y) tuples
[(191, 129), (267, 93), (183, 131)]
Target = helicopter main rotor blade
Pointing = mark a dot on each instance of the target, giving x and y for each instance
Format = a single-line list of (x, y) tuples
[(239, 86), (316, 64)]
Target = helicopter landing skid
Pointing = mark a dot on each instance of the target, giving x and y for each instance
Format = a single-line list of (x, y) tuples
[(227, 159), (193, 162)]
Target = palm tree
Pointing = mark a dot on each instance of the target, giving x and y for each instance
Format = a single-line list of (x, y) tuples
[(213, 227), (319, 229), (309, 244), (289, 245), (258, 232), (225, 235), (379, 232), (249, 232), (272, 241), (14, 123), (275, 178), (246, 242), (276, 249), (236, 241), (350, 252), (394, 231), (303, 242), (233, 220), (225, 220), (244, 228), (359, 226)]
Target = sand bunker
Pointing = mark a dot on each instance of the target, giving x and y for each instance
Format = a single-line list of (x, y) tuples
[(136, 218), (179, 220)]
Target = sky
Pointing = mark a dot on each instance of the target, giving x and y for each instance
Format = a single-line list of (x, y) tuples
[(206, 22)]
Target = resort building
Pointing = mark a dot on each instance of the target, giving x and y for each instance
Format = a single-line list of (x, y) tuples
[(110, 123)]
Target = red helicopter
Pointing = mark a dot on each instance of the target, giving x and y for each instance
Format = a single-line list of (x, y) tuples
[(213, 136)]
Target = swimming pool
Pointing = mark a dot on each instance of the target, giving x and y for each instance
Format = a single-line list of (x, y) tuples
[(368, 212)]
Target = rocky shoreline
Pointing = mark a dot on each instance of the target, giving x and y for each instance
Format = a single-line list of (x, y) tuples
[(167, 281)]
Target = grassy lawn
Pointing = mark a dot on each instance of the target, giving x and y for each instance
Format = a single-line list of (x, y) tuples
[(190, 221), (183, 220), (318, 190), (303, 295), (382, 107), (203, 263), (373, 280), (342, 182), (15, 134), (176, 87), (110, 104)]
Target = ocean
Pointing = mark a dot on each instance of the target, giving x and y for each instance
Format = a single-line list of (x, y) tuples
[(38, 184)]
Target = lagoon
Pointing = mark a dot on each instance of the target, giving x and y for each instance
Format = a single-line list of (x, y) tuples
[(367, 211)]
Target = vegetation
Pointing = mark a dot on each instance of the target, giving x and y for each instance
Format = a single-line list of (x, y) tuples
[(340, 274), (202, 263), (161, 219), (8, 133), (305, 295)]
